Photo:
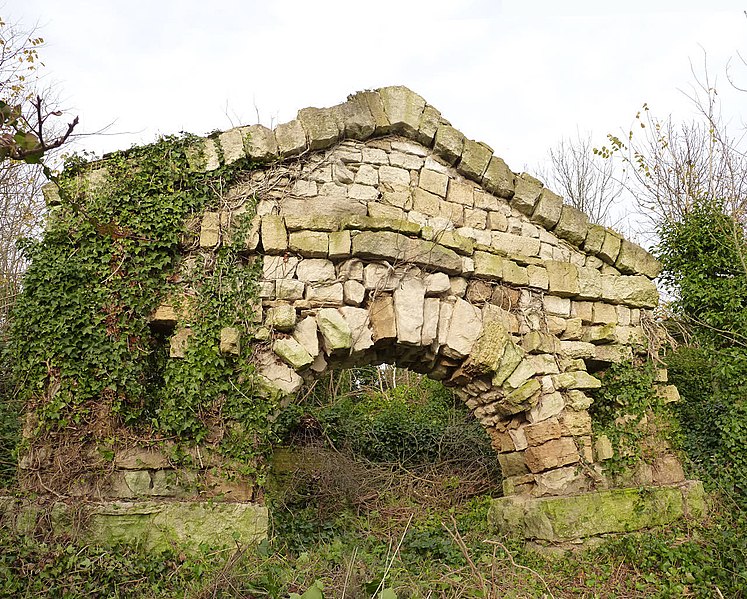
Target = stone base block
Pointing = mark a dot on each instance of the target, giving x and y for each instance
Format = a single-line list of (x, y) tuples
[(153, 525), (579, 517)]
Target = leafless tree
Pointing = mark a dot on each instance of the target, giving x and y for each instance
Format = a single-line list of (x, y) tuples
[(584, 179)]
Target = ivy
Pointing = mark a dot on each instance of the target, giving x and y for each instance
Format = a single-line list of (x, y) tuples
[(81, 340)]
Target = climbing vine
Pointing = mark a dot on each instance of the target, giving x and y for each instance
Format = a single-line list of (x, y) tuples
[(85, 357)]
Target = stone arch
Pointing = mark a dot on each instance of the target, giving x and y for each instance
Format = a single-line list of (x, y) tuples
[(387, 236)]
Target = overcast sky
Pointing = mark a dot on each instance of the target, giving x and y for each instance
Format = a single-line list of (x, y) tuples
[(516, 74)]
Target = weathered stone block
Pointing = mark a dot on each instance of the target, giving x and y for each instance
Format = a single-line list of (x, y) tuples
[(291, 138), (354, 119), (548, 209), (305, 332), (281, 317), (498, 179), (488, 265), (353, 293), (310, 244), (433, 182), (449, 143), (335, 330), (260, 144), (274, 234), (610, 247), (321, 127), (515, 244), (359, 322), (464, 328), (325, 294), (232, 144), (635, 291), (409, 300), (549, 405), (551, 454), (572, 226), (461, 193), (526, 194), (429, 123), (541, 432), (403, 109), (513, 274), (292, 353), (230, 341), (475, 160), (512, 464), (179, 342), (382, 317), (210, 230), (575, 380), (562, 278)]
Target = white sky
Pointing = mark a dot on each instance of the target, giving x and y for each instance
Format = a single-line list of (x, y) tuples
[(516, 74)]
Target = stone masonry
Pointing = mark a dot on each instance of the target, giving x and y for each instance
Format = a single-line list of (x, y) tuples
[(388, 236)]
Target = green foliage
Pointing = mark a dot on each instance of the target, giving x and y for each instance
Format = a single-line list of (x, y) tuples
[(703, 258), (80, 336)]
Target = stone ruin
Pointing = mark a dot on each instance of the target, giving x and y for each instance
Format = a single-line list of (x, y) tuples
[(387, 236)]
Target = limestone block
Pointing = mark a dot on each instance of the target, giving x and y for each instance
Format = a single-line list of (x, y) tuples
[(354, 119), (425, 202), (526, 194), (515, 244), (210, 230), (320, 126), (406, 161), (668, 393), (548, 209), (381, 277), (431, 310), (274, 234), (555, 325), (521, 374), (603, 448), (464, 328), (572, 225), (437, 283), (562, 278), (576, 380), (489, 266), (518, 439), (543, 363), (475, 160), (372, 101), (512, 464), (449, 143), (278, 375), (461, 193), (230, 341), (266, 290), (339, 245), (365, 193), (305, 333), (633, 259), (538, 277), (397, 247), (335, 330), (549, 405), (496, 221), (489, 352), (310, 244), (292, 353), (444, 321), (409, 300), (594, 239), (458, 286), (589, 283), (451, 212), (429, 122), (279, 267), (353, 293), (557, 306), (541, 432), (513, 274), (260, 144), (551, 454), (377, 210), (291, 138), (498, 179), (613, 353), (367, 175), (523, 398), (575, 423), (610, 247), (382, 317), (603, 313), (281, 317), (315, 270), (360, 327), (403, 109), (232, 144), (584, 311), (368, 223), (375, 156), (667, 470), (307, 221), (537, 342), (561, 481), (599, 334), (578, 400), (325, 294), (433, 182), (179, 342), (636, 291), (475, 218), (394, 176), (577, 349)]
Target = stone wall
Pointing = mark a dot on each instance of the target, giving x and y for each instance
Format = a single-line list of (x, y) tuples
[(409, 244), (386, 235)]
